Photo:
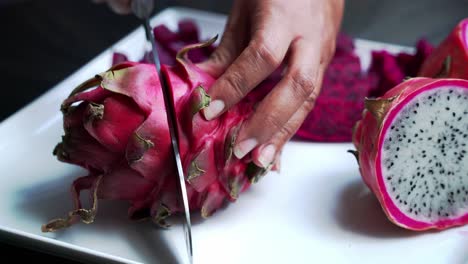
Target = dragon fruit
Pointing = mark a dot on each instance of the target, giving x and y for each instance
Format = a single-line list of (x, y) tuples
[(116, 127), (391, 69), (345, 84), (411, 146), (450, 58)]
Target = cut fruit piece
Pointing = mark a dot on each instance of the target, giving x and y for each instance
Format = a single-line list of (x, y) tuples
[(412, 151)]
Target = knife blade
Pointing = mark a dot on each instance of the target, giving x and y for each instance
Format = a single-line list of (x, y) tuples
[(142, 9)]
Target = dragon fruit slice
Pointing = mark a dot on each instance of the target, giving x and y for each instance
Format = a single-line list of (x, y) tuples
[(412, 152), (115, 126), (450, 58)]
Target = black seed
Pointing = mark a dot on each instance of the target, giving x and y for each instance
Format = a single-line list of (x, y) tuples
[(447, 108), (432, 122), (442, 186)]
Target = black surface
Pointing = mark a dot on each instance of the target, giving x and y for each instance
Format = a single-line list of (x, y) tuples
[(15, 254), (43, 42)]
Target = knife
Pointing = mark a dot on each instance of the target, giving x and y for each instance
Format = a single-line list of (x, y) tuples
[(143, 9)]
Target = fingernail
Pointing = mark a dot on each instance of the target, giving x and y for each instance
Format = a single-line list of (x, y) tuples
[(241, 149), (214, 109), (277, 166), (267, 155)]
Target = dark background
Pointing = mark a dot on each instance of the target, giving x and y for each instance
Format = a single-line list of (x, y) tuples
[(43, 42)]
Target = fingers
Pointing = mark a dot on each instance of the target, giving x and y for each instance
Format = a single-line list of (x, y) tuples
[(268, 154), (261, 57), (285, 107)]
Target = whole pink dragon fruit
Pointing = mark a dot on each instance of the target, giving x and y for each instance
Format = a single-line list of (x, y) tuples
[(450, 58), (116, 127), (412, 152)]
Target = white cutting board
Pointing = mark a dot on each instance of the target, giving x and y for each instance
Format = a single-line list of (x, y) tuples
[(316, 211)]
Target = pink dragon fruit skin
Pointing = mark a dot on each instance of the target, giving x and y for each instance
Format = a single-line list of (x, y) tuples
[(115, 126), (372, 138), (450, 58)]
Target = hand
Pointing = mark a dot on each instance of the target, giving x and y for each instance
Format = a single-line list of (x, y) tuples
[(259, 35), (118, 6)]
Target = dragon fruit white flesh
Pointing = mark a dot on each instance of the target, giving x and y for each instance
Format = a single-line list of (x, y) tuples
[(116, 127), (412, 149)]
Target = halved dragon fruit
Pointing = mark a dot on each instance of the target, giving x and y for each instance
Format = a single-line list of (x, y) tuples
[(115, 126), (450, 58), (412, 149)]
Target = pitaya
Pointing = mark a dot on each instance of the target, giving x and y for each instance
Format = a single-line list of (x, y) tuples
[(450, 58), (391, 69), (119, 133), (412, 152), (345, 84)]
